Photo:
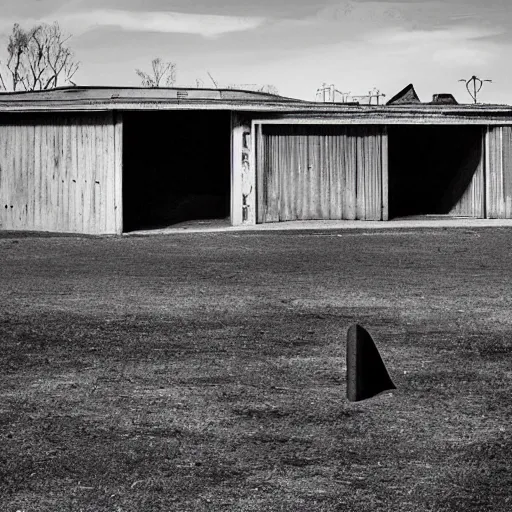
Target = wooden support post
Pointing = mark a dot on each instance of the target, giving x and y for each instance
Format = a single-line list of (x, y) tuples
[(236, 169), (385, 174), (118, 172), (260, 165)]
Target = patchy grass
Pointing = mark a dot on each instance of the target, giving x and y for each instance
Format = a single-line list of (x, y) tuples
[(206, 372)]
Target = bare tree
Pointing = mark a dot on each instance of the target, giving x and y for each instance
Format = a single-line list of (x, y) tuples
[(37, 59), (16, 51), (162, 74)]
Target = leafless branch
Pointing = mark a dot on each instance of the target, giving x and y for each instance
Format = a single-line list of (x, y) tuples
[(39, 58), (2, 82), (161, 72)]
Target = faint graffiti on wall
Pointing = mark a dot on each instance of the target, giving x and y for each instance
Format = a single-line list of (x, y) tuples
[(246, 176), (246, 186)]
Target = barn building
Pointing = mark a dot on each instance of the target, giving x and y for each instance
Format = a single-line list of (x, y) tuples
[(104, 160)]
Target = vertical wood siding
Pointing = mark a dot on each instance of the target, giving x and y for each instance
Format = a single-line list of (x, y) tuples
[(348, 173), (507, 169), (60, 173), (369, 173), (260, 166), (327, 172), (115, 166), (385, 175), (498, 173), (472, 200), (237, 130)]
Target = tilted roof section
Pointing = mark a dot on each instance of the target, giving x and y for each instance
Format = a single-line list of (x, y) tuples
[(406, 96)]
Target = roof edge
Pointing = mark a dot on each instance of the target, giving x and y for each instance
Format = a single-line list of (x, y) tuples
[(80, 88)]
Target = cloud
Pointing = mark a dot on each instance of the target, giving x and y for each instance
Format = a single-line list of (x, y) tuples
[(448, 46), (435, 36), (206, 25)]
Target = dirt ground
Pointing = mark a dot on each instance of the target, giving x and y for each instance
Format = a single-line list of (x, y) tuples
[(205, 372)]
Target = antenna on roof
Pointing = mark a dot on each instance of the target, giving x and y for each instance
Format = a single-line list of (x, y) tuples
[(375, 93), (214, 82), (476, 89)]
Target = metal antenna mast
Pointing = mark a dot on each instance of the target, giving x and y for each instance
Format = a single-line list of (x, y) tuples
[(476, 88), (214, 82)]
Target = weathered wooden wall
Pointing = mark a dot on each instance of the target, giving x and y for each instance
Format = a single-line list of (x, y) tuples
[(498, 172), (320, 172), (242, 171), (471, 201), (369, 172), (471, 204), (61, 173)]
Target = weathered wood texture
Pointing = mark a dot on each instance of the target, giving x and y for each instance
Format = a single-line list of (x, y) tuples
[(236, 170), (498, 172), (260, 157), (243, 174), (115, 197), (385, 174), (58, 173), (320, 172), (470, 196)]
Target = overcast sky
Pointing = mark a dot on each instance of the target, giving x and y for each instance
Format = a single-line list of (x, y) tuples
[(295, 45)]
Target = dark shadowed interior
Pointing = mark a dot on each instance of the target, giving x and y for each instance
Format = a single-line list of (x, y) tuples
[(176, 167), (430, 167)]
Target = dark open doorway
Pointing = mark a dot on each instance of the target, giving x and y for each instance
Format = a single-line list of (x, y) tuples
[(176, 167), (436, 170)]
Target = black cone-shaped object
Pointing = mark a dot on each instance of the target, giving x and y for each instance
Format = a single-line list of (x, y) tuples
[(366, 373)]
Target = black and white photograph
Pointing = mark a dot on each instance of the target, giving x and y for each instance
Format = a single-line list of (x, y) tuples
[(255, 256)]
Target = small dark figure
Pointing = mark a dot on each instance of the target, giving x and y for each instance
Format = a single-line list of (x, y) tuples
[(366, 373)]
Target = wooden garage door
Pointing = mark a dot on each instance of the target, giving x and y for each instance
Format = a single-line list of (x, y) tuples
[(499, 172), (319, 172)]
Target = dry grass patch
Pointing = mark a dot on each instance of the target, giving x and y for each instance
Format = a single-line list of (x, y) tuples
[(206, 372)]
